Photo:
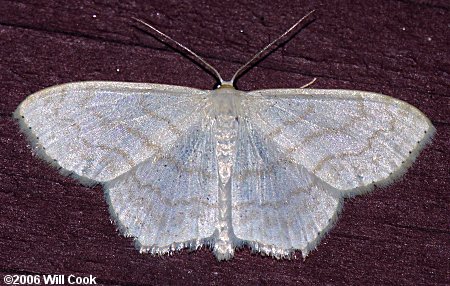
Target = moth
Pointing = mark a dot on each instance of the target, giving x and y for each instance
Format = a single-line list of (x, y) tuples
[(183, 167)]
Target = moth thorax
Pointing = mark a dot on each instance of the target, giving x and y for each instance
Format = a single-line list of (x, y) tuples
[(227, 101)]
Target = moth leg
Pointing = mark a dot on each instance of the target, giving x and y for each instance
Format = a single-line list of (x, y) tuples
[(309, 83)]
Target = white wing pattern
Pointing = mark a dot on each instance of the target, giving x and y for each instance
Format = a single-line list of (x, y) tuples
[(302, 150), (149, 144), (170, 202), (182, 167), (349, 139), (278, 205), (99, 130)]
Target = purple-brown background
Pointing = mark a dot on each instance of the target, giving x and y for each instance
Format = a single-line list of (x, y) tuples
[(50, 224)]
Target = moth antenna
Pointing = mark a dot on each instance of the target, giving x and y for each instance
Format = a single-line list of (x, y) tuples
[(257, 55), (210, 67)]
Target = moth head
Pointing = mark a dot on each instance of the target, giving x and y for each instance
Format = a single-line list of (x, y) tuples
[(225, 84)]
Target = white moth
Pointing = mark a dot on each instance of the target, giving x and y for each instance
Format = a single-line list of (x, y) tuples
[(183, 167)]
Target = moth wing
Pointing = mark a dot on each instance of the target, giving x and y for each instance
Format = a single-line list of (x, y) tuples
[(277, 205), (301, 151), (349, 139), (100, 130), (150, 145), (170, 202)]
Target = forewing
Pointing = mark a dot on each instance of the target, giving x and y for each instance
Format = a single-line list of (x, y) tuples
[(351, 140), (170, 202), (277, 204), (100, 130)]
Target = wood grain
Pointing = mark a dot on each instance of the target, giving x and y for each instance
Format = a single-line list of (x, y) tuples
[(50, 224)]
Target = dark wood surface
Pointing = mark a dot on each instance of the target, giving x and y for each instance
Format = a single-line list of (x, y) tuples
[(398, 235)]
